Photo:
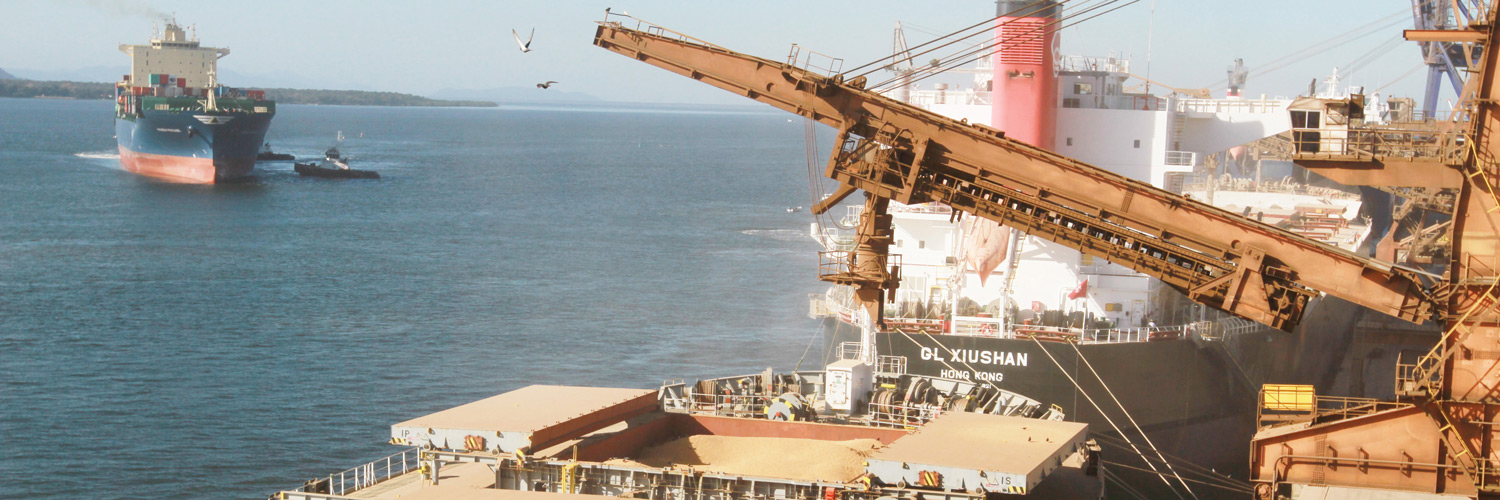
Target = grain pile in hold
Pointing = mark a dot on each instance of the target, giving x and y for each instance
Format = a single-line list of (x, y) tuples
[(787, 458)]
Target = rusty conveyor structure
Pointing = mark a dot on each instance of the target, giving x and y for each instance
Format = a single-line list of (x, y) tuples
[(1443, 437), (895, 151)]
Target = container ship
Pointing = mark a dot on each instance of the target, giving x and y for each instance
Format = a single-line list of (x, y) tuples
[(173, 120)]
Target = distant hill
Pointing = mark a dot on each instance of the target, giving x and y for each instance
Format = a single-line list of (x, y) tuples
[(364, 98), (6, 76), (518, 95), (15, 87), (86, 74), (94, 90)]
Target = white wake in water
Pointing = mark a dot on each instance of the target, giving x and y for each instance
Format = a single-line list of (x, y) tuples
[(101, 155), (777, 234)]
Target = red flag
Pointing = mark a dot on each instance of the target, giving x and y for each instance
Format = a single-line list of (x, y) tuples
[(1083, 289)]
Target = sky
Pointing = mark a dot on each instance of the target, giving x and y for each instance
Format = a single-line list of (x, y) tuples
[(424, 47)]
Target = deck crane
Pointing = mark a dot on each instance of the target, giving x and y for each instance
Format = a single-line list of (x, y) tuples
[(901, 63), (1440, 438), (1194, 93)]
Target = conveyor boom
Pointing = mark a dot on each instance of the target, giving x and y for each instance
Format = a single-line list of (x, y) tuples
[(894, 150)]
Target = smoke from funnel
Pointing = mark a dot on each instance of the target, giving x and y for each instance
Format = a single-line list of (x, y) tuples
[(125, 8)]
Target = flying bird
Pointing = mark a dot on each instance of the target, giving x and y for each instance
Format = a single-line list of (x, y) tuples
[(545, 85), (526, 45)]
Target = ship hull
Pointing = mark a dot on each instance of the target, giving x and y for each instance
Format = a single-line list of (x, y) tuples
[(1194, 399), (191, 147)]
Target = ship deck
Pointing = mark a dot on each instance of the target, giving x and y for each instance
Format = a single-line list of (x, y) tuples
[(462, 481), (529, 418)]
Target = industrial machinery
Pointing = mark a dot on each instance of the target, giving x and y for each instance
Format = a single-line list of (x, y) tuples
[(1439, 439)]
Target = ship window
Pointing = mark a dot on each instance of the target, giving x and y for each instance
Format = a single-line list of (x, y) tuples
[(1070, 141), (1071, 102), (1083, 88), (921, 244), (898, 243), (1138, 144)]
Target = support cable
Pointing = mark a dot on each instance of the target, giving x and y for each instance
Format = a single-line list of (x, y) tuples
[(1374, 53), (1125, 487), (1323, 46), (1403, 76), (1038, 5), (1131, 419), (1188, 465), (943, 66), (1016, 14), (1242, 489), (1111, 421), (1042, 31), (816, 334)]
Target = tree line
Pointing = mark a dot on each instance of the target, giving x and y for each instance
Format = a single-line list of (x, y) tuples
[(95, 90)]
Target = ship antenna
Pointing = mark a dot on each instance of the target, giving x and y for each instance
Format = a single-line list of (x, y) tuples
[(1150, 31)]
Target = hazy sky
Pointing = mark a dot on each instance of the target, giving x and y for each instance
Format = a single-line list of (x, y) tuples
[(422, 47)]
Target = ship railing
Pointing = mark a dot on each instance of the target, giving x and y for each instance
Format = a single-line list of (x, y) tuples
[(901, 415), (924, 325), (921, 208), (844, 267), (1181, 158), (651, 28), (927, 98), (1420, 377), (1262, 105), (813, 61), (1287, 403), (890, 366), (364, 476), (1370, 142), (1079, 335), (1093, 63), (839, 301), (730, 405), (850, 350)]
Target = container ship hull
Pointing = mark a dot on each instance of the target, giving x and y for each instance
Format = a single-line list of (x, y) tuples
[(199, 148)]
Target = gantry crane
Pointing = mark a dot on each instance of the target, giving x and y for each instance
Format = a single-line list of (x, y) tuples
[(1438, 439)]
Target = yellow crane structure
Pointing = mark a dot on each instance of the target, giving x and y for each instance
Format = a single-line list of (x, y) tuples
[(1440, 438), (1194, 93)]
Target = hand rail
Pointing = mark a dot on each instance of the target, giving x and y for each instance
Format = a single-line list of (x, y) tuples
[(364, 476)]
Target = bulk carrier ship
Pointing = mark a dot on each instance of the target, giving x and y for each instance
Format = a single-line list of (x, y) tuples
[(173, 121), (1188, 384), (985, 303)]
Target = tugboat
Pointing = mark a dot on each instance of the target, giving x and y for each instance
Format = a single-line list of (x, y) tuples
[(267, 155), (333, 166)]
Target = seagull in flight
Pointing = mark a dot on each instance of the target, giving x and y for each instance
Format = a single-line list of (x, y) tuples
[(545, 85), (526, 45)]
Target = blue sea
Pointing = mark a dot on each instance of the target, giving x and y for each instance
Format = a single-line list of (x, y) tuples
[(179, 341)]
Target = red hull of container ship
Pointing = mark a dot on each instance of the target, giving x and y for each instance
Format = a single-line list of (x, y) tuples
[(182, 169)]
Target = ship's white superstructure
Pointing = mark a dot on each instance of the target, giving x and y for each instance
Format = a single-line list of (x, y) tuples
[(1104, 122), (173, 52)]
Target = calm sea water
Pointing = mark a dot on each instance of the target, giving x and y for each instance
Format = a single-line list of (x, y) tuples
[(175, 341)]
